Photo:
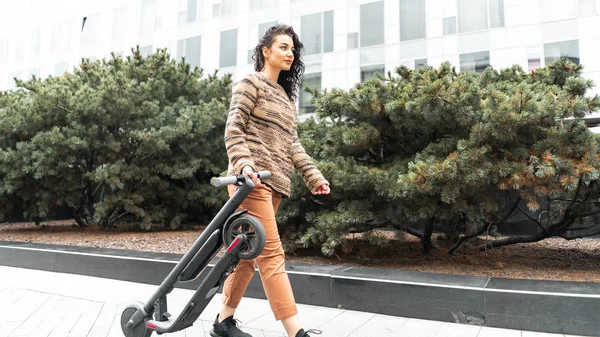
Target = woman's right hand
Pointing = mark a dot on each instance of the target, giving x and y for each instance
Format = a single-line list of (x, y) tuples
[(250, 172)]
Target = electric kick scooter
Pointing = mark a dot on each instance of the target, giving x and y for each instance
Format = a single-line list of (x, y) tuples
[(244, 238)]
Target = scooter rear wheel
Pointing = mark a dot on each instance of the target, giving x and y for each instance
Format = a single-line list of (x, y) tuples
[(255, 234), (141, 330)]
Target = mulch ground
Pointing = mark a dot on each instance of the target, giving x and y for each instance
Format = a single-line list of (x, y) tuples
[(551, 259)]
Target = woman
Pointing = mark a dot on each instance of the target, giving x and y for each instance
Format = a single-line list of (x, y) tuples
[(261, 135)]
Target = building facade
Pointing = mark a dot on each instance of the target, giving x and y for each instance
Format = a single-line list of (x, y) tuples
[(345, 41)]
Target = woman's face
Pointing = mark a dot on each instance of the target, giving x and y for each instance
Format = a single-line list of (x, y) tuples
[(281, 54)]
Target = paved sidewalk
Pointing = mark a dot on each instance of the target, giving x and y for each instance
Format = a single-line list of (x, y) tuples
[(37, 303)]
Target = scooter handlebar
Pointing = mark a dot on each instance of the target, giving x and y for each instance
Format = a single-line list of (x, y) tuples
[(234, 179)]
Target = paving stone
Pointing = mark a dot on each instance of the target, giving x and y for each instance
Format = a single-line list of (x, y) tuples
[(104, 320), (7, 328), (539, 334), (380, 325), (497, 332), (32, 326), (57, 307)]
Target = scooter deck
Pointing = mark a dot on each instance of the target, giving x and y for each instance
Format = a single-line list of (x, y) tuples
[(205, 292)]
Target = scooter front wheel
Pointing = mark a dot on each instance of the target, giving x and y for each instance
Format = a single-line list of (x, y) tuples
[(255, 235), (140, 330)]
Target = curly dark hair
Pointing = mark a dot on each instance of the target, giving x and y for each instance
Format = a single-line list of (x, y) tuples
[(290, 80)]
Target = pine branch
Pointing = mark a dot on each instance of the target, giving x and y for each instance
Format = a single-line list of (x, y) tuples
[(585, 215), (368, 227), (415, 233), (67, 110), (579, 236), (576, 192), (464, 238), (554, 229), (583, 228), (528, 216), (513, 240)]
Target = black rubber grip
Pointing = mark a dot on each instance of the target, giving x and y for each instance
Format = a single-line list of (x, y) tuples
[(224, 181)]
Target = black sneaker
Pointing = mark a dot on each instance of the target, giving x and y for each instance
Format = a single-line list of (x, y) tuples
[(303, 333), (227, 328)]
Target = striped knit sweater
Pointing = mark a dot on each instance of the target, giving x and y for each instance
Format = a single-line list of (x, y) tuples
[(261, 132)]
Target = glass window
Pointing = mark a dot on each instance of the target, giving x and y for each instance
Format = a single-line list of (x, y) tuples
[(192, 8), (119, 22), (534, 58), (182, 12), (313, 81), (565, 49), (255, 4), (317, 32), (147, 22), (146, 50), (370, 71), (262, 28), (328, 31), (229, 7), (475, 61), (216, 10), (181, 17), (412, 20), (586, 7), (450, 25), (420, 63), (180, 48), (472, 15), (36, 40), (496, 13), (250, 54), (190, 49), (311, 33), (371, 24), (352, 40), (228, 50)]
